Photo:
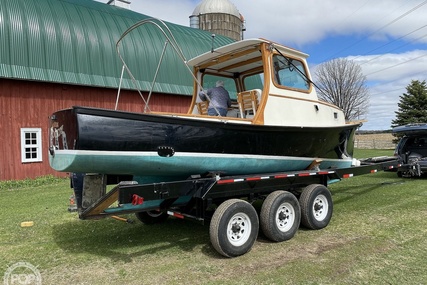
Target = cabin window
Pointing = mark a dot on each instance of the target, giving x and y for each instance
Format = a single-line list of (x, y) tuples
[(255, 81), (209, 81), (31, 144), (290, 73)]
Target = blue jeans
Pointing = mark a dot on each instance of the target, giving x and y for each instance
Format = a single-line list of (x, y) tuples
[(213, 112), (77, 185)]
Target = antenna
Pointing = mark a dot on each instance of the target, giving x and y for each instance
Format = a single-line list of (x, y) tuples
[(213, 38)]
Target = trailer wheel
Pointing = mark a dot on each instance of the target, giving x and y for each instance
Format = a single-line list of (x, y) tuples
[(152, 217), (280, 216), (316, 206), (234, 228)]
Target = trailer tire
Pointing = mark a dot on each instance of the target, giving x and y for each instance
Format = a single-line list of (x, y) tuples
[(316, 206), (152, 217), (234, 228), (280, 216)]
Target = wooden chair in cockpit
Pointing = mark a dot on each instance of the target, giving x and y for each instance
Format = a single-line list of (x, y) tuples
[(248, 103), (202, 107)]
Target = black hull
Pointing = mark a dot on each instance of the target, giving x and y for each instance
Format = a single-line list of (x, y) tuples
[(108, 130)]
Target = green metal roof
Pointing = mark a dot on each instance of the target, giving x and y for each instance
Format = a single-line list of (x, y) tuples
[(73, 42)]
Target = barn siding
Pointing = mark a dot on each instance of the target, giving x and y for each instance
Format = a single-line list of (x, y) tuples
[(26, 104)]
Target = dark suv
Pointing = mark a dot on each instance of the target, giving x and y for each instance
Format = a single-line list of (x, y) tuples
[(412, 150)]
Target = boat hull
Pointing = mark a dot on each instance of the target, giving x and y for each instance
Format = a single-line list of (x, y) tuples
[(113, 142), (179, 166)]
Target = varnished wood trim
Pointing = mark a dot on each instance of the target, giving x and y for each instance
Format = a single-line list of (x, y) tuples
[(307, 100)]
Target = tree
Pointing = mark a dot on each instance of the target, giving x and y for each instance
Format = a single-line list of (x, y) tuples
[(342, 83), (412, 105)]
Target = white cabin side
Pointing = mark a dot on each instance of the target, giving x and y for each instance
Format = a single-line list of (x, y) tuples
[(280, 110), (292, 99)]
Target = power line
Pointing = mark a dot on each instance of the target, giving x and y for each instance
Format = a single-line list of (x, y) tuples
[(388, 91), (377, 48), (391, 81), (381, 55), (396, 64), (382, 27), (357, 10)]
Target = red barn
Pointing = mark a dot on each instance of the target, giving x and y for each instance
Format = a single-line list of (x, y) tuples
[(59, 53)]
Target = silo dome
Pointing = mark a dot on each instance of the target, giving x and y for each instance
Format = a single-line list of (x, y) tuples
[(218, 17), (216, 6)]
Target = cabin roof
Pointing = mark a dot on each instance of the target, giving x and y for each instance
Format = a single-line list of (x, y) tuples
[(238, 56), (73, 42)]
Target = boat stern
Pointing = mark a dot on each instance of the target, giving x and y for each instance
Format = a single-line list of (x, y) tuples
[(62, 135)]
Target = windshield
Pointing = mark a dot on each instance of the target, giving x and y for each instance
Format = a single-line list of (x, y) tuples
[(290, 73)]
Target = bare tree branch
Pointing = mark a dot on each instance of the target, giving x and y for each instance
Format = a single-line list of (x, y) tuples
[(342, 83)]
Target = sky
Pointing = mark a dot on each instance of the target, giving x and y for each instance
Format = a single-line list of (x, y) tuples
[(387, 38)]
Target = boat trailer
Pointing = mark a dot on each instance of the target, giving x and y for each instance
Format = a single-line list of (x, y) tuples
[(289, 199)]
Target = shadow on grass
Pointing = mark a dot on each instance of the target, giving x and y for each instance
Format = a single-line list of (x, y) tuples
[(121, 241), (360, 190), (353, 192)]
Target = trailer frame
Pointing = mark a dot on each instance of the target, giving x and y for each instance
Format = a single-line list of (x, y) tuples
[(293, 197)]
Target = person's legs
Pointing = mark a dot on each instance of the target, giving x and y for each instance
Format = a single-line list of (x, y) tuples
[(213, 112), (222, 112), (77, 183)]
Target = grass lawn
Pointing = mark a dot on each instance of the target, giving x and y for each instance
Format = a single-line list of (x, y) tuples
[(377, 235)]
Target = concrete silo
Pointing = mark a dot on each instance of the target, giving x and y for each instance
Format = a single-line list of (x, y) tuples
[(218, 17)]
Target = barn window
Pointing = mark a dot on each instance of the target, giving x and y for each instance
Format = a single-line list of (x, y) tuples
[(31, 144)]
